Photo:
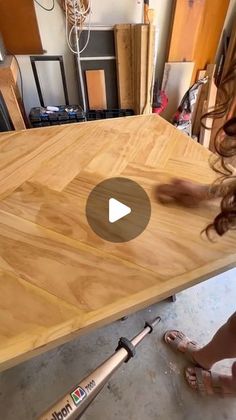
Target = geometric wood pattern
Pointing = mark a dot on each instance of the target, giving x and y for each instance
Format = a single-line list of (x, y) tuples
[(57, 278)]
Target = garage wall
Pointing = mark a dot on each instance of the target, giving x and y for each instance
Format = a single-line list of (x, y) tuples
[(52, 31)]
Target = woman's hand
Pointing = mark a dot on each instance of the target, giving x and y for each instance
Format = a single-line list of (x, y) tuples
[(183, 192)]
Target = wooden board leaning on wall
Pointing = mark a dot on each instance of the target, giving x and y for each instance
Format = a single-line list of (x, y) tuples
[(135, 47), (196, 31)]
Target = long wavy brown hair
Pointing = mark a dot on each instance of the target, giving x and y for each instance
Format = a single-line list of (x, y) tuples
[(224, 116)]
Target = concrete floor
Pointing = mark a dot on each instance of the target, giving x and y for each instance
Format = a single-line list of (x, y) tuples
[(151, 386)]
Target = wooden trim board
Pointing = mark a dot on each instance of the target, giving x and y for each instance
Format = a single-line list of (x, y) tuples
[(135, 50), (205, 134), (124, 63), (201, 74), (96, 89)]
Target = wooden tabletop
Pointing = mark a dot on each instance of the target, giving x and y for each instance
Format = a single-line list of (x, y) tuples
[(57, 277)]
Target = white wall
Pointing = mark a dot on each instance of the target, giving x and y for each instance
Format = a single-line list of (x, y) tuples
[(52, 31)]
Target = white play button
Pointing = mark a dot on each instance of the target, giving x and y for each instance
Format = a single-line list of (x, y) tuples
[(117, 210)]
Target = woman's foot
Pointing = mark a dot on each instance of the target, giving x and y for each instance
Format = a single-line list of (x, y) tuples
[(178, 341), (210, 383)]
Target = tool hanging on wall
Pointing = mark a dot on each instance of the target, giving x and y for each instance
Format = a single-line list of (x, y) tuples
[(74, 404), (151, 58)]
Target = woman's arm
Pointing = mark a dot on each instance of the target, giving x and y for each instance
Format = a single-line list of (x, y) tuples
[(190, 194)]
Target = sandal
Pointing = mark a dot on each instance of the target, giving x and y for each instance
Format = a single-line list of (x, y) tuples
[(181, 343), (206, 382)]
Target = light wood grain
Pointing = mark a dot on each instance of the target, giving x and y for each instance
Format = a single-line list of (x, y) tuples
[(205, 133), (9, 70), (196, 31), (96, 88), (124, 65), (58, 265), (10, 92), (230, 88), (209, 33), (196, 114), (150, 70), (12, 105), (186, 24), (140, 55)]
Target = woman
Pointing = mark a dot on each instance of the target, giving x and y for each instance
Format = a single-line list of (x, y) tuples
[(223, 344)]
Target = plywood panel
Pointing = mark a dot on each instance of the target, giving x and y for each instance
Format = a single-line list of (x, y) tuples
[(135, 50), (56, 263), (176, 81), (18, 17), (205, 133), (196, 31), (185, 30), (209, 33), (150, 70), (140, 70)]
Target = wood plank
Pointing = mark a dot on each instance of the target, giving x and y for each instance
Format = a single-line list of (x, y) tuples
[(96, 88), (23, 20), (39, 254), (176, 81), (196, 114), (141, 54), (203, 100), (205, 134), (43, 145), (185, 29), (13, 107), (208, 39), (124, 63), (32, 327), (57, 176), (9, 70)]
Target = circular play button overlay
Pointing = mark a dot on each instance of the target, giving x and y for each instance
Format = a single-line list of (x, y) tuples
[(118, 209)]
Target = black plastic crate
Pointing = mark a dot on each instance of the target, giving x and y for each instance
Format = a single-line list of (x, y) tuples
[(66, 114), (102, 114), (41, 117)]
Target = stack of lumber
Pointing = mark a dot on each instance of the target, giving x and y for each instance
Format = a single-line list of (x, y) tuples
[(196, 30), (135, 52)]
